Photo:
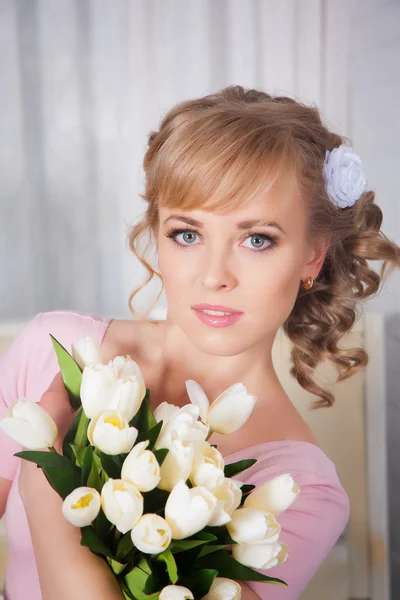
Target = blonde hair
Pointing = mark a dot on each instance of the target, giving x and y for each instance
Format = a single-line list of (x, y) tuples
[(216, 152)]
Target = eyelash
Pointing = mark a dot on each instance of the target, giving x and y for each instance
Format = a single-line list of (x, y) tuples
[(270, 238)]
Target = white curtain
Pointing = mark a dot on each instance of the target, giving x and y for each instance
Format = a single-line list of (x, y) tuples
[(82, 82)]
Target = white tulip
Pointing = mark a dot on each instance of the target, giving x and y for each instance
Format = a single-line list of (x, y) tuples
[(165, 412), (208, 466), (141, 468), (228, 495), (229, 411), (151, 534), (122, 504), (224, 589), (260, 556), (81, 506), (274, 496), (183, 425), (188, 511), (176, 465), (97, 381), (111, 433), (126, 396), (128, 392), (175, 592), (251, 526), (87, 351), (30, 425)]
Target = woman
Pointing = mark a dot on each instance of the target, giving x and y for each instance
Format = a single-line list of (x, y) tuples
[(260, 219)]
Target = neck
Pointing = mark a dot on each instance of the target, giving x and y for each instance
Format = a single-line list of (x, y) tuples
[(181, 360)]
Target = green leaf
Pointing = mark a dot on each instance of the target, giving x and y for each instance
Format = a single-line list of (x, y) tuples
[(111, 465), (102, 525), (160, 455), (125, 545), (63, 481), (144, 419), (151, 435), (238, 467), (116, 566), (92, 541), (154, 501), (81, 438), (135, 582), (210, 549), (229, 567), (70, 436), (169, 560), (87, 464), (71, 373), (45, 458), (95, 479), (79, 454), (178, 546), (201, 581), (246, 489)]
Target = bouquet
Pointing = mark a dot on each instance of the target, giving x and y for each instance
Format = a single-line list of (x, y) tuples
[(151, 496)]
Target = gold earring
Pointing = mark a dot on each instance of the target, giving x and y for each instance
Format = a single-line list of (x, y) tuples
[(308, 283)]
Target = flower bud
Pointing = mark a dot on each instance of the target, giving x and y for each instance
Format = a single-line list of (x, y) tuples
[(81, 506), (228, 495), (229, 411), (274, 496), (188, 511), (30, 425), (111, 433), (175, 592), (87, 351), (97, 381), (176, 465), (251, 526), (151, 534), (224, 589), (141, 468), (260, 556), (208, 466), (122, 504)]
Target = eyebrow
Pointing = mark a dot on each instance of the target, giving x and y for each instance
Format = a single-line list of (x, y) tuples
[(249, 224)]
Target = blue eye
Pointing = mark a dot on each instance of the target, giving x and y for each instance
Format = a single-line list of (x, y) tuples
[(258, 242), (189, 236)]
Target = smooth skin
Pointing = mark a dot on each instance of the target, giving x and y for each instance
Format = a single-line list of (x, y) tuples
[(216, 262)]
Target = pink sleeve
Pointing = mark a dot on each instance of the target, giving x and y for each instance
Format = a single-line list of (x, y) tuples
[(312, 525), (29, 365)]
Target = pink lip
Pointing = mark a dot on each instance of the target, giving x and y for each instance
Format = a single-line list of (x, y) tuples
[(214, 320), (216, 307)]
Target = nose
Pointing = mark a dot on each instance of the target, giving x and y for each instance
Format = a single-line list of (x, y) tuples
[(218, 272)]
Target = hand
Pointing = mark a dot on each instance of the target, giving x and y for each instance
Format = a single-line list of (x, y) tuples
[(55, 401)]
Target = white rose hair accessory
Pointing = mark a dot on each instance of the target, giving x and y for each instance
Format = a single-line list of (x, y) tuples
[(344, 176)]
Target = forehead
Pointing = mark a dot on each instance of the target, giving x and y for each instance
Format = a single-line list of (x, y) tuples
[(280, 204)]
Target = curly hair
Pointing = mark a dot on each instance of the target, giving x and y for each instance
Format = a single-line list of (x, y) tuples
[(217, 152)]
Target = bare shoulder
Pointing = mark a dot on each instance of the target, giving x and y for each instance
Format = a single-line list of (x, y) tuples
[(129, 338)]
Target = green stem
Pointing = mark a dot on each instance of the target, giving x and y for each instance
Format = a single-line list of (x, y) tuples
[(81, 433)]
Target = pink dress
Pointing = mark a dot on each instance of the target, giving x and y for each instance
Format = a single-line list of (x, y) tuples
[(310, 526)]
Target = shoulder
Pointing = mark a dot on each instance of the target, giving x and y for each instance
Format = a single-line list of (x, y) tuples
[(321, 489), (30, 359), (313, 523)]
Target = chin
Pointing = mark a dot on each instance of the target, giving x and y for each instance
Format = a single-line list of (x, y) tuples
[(218, 341)]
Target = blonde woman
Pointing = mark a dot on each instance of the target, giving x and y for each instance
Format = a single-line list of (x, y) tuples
[(261, 218)]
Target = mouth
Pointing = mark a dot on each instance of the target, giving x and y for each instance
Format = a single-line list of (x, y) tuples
[(217, 310), (216, 315)]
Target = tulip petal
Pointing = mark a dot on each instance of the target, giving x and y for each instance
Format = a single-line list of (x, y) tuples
[(86, 351), (224, 589), (274, 496), (260, 556), (231, 409), (198, 397)]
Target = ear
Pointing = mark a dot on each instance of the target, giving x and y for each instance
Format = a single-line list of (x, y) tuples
[(317, 253)]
